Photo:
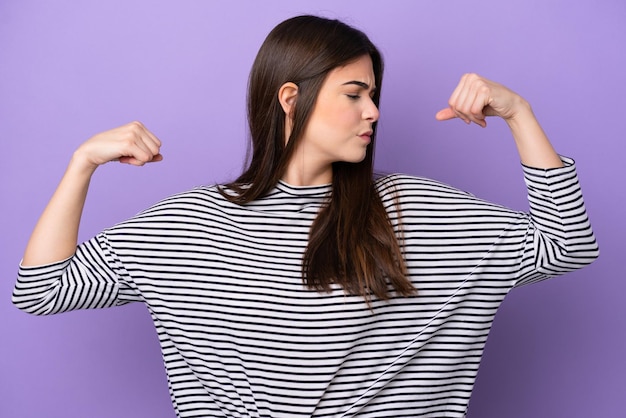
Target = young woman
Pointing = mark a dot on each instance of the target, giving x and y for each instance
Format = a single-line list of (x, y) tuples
[(307, 287)]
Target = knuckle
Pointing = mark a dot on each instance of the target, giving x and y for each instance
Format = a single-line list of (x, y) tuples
[(130, 139), (135, 128)]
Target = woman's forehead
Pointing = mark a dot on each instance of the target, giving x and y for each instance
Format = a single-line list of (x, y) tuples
[(359, 72)]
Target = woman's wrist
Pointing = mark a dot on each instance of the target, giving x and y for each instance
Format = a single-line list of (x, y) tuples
[(521, 116), (80, 164)]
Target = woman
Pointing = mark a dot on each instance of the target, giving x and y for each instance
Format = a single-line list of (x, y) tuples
[(306, 287)]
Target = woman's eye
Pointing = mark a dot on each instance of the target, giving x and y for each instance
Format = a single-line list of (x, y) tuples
[(353, 96)]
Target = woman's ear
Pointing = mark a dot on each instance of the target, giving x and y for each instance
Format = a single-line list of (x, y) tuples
[(287, 95)]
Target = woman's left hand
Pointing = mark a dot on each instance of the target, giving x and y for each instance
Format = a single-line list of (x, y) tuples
[(475, 98)]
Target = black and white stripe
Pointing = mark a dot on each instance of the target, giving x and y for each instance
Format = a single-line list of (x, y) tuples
[(242, 337)]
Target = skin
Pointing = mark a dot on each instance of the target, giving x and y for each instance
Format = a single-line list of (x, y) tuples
[(340, 124), (337, 131), (475, 98)]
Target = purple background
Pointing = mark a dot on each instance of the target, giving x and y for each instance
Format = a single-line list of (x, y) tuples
[(70, 69)]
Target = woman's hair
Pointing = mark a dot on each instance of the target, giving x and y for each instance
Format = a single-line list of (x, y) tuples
[(351, 242)]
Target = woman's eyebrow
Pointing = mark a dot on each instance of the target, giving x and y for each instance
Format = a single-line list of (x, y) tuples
[(359, 83)]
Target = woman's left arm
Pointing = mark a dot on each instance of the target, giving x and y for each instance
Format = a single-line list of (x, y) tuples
[(559, 236), (475, 98)]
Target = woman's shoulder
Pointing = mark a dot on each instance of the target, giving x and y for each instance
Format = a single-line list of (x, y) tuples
[(202, 193), (399, 184), (195, 200)]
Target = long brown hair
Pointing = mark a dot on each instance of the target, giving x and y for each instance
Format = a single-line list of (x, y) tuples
[(351, 242)]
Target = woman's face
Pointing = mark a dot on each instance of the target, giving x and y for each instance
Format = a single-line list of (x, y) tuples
[(340, 124)]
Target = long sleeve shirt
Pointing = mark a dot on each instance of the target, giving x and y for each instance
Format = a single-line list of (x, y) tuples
[(241, 336)]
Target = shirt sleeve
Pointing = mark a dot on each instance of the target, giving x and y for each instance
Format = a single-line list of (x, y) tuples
[(448, 234), (560, 238), (92, 278)]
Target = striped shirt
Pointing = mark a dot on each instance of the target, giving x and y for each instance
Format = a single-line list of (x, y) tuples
[(241, 336)]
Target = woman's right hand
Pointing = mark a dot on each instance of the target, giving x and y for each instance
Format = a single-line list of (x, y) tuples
[(55, 235), (131, 144)]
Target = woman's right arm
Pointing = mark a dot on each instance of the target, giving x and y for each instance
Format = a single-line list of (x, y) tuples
[(55, 235)]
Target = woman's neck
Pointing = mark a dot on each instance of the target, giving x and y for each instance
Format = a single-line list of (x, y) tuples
[(300, 172)]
